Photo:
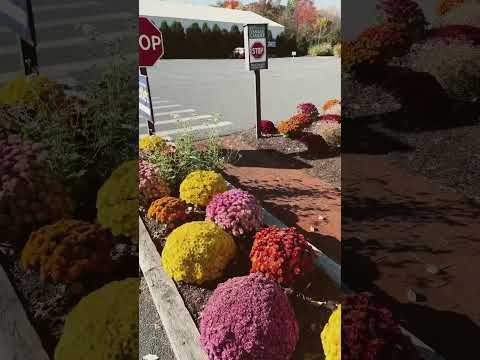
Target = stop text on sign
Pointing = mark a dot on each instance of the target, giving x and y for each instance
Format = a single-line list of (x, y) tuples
[(257, 50), (149, 42)]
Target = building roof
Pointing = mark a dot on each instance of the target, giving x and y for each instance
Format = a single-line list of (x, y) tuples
[(166, 9)]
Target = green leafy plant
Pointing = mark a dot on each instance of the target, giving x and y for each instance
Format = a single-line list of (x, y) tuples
[(189, 156)]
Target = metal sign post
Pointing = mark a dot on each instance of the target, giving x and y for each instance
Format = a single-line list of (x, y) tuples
[(29, 49), (256, 59)]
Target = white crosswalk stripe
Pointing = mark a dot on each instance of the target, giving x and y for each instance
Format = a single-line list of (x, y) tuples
[(158, 124), (194, 128), (165, 106), (170, 113), (71, 6), (48, 45), (78, 20), (63, 70)]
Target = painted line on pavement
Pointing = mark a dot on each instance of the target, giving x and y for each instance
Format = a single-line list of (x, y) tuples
[(194, 128), (78, 20), (191, 118), (44, 8), (173, 121), (174, 112), (63, 70), (7, 50), (166, 106)]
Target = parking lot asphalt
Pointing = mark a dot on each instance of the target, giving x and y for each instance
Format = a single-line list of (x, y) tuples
[(193, 95)]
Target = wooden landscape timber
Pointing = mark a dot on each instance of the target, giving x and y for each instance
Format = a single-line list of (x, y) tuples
[(18, 338)]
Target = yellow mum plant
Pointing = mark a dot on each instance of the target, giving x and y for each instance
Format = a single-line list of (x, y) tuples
[(31, 91), (103, 325), (117, 201), (197, 252), (331, 336), (152, 143), (199, 187)]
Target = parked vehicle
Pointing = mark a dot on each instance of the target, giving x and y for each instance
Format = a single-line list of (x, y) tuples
[(238, 53)]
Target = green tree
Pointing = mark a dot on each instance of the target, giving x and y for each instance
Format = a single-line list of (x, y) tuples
[(177, 41), (207, 39), (168, 44), (226, 44), (236, 37), (216, 42), (194, 41)]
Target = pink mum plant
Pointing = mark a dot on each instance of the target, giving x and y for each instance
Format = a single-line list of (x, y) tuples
[(235, 211)]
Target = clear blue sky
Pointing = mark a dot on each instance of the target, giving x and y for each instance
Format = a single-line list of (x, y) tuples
[(318, 3)]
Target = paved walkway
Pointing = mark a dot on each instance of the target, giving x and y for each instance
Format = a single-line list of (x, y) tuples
[(293, 196), (403, 231)]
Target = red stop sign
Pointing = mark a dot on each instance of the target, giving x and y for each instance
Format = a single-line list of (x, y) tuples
[(257, 50), (150, 42)]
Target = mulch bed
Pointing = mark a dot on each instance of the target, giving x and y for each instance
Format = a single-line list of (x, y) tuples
[(311, 317), (47, 304), (359, 100), (309, 152)]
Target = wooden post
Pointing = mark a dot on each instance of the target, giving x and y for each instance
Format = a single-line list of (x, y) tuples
[(259, 106)]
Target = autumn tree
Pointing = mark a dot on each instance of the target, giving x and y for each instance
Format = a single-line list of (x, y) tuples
[(305, 15), (229, 4)]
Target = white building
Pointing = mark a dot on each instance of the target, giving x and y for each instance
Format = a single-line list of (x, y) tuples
[(170, 12)]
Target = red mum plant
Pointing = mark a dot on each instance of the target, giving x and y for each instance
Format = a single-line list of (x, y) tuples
[(369, 332), (281, 254), (308, 109), (267, 127), (331, 118), (406, 12)]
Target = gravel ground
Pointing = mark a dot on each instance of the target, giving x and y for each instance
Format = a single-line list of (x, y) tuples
[(152, 337)]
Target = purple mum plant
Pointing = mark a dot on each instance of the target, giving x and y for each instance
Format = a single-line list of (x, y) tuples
[(151, 186), (267, 127), (235, 211), (309, 109), (30, 196), (248, 318)]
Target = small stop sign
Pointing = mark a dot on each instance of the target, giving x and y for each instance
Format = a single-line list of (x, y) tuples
[(150, 42), (257, 50)]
